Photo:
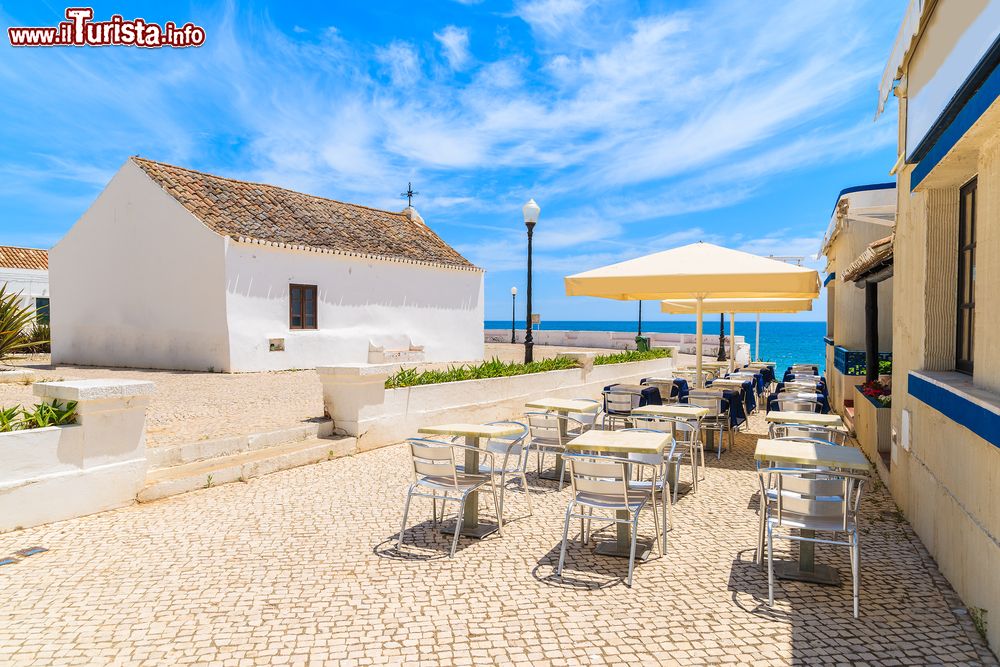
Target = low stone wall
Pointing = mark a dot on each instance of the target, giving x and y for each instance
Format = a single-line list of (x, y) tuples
[(623, 340), (61, 472), (355, 397)]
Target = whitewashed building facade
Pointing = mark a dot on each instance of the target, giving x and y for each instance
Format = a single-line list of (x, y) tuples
[(26, 271), (176, 269)]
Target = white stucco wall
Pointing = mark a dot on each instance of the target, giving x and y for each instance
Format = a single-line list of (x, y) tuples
[(30, 283), (359, 300), (139, 282)]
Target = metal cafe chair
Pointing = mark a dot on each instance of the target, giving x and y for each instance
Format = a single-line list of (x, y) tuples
[(436, 476), (717, 418), (659, 479), (601, 484), (550, 432), (512, 453), (834, 436), (812, 499), (618, 406), (689, 446)]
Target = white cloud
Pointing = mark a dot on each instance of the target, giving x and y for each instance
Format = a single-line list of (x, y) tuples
[(455, 46)]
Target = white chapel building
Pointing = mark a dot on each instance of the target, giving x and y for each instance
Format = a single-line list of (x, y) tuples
[(176, 269)]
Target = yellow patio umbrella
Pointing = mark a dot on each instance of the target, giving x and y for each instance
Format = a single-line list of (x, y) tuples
[(733, 306), (697, 271)]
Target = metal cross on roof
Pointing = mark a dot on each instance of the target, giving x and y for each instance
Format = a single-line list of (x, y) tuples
[(409, 194)]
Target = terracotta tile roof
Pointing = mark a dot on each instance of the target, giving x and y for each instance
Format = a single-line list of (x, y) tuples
[(12, 257), (877, 254), (258, 213)]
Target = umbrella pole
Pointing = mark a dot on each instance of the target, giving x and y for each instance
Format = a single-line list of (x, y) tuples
[(732, 342), (699, 383), (756, 340)]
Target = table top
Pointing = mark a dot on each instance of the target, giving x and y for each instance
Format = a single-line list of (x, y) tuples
[(760, 364), (811, 453), (661, 380), (620, 442), (563, 405), (473, 430), (811, 418), (728, 383), (673, 410)]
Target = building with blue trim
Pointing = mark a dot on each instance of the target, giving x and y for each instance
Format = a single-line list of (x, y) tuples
[(944, 464)]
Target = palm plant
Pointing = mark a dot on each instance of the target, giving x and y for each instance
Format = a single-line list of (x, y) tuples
[(15, 320)]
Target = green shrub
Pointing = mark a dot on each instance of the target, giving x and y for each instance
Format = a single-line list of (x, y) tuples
[(884, 367), (15, 320), (40, 416), (494, 368), (39, 337), (631, 355)]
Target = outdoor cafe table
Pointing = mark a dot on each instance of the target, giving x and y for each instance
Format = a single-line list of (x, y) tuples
[(810, 418), (472, 433), (562, 406), (673, 410), (621, 443), (817, 455)]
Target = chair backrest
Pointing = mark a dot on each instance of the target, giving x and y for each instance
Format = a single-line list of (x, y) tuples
[(600, 475), (795, 385), (508, 447), (620, 401), (552, 428), (588, 418), (432, 458), (813, 493), (706, 398), (691, 375), (684, 431), (803, 368), (808, 432), (793, 404)]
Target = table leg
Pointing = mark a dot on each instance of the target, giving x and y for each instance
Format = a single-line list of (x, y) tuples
[(805, 568), (470, 516)]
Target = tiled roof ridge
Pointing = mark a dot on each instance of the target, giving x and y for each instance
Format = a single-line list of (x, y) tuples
[(24, 258), (24, 247), (401, 214)]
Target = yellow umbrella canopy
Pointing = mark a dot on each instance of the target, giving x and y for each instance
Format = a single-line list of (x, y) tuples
[(697, 270), (733, 306), (700, 271), (688, 306)]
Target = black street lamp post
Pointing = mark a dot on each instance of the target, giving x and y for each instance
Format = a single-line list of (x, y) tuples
[(530, 211), (513, 314), (721, 356)]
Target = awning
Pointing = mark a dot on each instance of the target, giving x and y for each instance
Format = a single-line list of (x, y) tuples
[(872, 262)]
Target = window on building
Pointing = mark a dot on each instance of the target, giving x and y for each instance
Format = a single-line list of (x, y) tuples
[(302, 307), (966, 321), (42, 310)]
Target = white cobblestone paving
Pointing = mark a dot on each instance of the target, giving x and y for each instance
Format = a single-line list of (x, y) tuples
[(300, 567)]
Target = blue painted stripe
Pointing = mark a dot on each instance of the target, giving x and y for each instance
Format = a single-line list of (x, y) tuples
[(861, 188), (962, 411), (829, 278), (975, 107)]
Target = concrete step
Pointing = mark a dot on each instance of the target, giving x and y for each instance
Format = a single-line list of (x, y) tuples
[(174, 480), (168, 456)]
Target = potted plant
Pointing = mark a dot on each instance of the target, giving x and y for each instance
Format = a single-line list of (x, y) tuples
[(872, 419)]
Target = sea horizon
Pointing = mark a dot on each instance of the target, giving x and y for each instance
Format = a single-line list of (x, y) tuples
[(782, 341)]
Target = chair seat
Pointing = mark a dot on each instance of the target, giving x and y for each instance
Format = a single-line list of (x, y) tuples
[(636, 500), (803, 522), (465, 482), (486, 469), (646, 485)]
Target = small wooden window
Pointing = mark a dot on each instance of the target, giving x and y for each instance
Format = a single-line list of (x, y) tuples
[(966, 323), (302, 307)]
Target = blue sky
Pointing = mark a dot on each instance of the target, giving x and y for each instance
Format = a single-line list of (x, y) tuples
[(637, 126)]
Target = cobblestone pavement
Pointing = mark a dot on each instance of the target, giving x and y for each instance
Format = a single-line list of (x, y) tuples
[(190, 406), (300, 567)]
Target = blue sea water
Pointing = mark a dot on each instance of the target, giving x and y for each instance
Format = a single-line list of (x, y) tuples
[(781, 342)]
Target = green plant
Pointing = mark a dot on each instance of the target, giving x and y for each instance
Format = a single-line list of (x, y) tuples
[(40, 416), (978, 615), (631, 355), (208, 482), (884, 367), (494, 368), (38, 337), (15, 319)]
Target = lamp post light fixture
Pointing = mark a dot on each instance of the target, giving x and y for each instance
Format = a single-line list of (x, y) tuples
[(530, 211), (721, 356), (513, 313)]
